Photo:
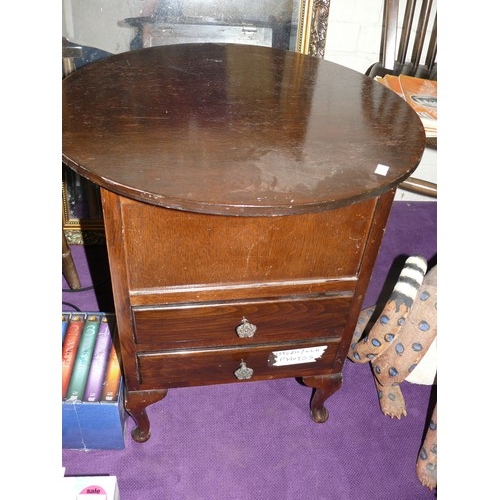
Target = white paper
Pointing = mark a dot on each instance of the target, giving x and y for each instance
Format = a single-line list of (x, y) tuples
[(297, 356), (382, 169)]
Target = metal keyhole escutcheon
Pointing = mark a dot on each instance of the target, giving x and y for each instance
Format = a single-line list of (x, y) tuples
[(243, 372), (245, 329)]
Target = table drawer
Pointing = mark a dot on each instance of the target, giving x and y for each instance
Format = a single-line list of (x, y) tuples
[(220, 366), (216, 324)]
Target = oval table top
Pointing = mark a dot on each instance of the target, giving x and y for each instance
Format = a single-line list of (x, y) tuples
[(236, 130)]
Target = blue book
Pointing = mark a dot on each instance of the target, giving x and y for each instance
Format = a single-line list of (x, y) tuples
[(65, 323)]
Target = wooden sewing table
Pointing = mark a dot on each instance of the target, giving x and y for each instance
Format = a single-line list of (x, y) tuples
[(245, 193)]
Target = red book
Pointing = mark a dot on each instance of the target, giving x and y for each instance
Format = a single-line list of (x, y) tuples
[(69, 348), (112, 378)]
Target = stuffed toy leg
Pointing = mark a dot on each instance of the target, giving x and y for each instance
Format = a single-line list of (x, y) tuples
[(396, 343)]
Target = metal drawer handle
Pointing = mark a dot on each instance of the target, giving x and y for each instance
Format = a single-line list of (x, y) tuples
[(245, 329), (243, 372)]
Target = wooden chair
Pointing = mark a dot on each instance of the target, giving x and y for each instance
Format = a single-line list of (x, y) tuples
[(414, 37), (409, 50)]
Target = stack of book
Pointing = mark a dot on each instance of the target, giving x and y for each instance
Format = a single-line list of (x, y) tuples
[(93, 415), (90, 365), (420, 94)]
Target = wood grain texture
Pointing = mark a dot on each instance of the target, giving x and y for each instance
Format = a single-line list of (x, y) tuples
[(215, 324), (236, 129)]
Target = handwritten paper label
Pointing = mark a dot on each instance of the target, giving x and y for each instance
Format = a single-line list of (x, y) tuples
[(296, 356)]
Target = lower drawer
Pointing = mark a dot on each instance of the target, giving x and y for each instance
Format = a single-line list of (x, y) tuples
[(220, 366)]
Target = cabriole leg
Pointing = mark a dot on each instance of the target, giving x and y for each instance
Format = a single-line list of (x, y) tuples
[(324, 386), (135, 404)]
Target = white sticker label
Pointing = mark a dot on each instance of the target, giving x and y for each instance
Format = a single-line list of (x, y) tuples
[(382, 169), (296, 356)]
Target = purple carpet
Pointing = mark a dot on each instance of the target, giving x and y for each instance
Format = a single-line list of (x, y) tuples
[(256, 441)]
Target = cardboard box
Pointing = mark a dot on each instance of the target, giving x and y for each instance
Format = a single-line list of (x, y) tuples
[(90, 488), (94, 426)]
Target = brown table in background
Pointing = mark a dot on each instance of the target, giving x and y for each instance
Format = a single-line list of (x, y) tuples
[(245, 194)]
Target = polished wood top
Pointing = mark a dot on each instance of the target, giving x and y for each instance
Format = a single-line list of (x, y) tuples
[(236, 130)]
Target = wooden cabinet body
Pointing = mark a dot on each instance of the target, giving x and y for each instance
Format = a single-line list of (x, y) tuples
[(184, 282), (245, 192)]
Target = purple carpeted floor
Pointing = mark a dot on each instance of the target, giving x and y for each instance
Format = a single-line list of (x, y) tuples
[(256, 440)]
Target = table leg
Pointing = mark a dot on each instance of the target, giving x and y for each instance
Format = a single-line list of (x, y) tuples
[(324, 386), (135, 404)]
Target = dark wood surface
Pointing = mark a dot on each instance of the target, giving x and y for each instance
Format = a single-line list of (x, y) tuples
[(235, 129), (285, 146)]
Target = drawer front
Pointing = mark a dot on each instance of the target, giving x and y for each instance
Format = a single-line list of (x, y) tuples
[(211, 325), (220, 366)]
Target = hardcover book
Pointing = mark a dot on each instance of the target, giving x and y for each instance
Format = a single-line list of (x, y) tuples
[(65, 322), (95, 380), (112, 378), (420, 94), (391, 82), (69, 349), (83, 358)]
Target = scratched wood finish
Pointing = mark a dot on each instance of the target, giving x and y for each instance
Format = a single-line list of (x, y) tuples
[(241, 249), (235, 129), (236, 181)]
